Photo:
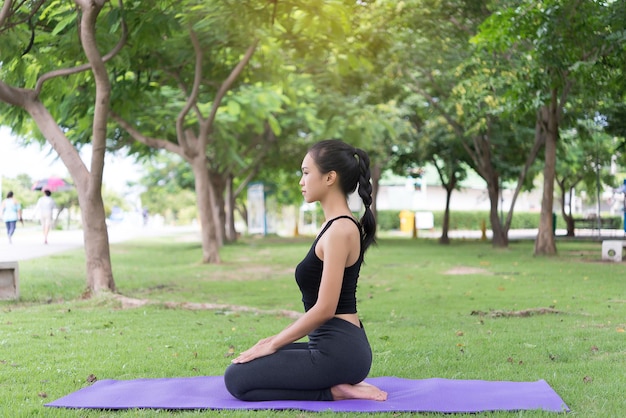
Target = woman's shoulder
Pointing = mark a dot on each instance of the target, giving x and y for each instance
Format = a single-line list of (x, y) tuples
[(343, 226)]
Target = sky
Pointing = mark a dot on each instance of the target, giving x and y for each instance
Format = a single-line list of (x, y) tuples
[(40, 163)]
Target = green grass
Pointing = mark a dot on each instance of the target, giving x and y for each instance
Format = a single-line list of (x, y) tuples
[(421, 320)]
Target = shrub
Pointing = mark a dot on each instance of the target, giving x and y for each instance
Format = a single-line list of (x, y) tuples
[(389, 220)]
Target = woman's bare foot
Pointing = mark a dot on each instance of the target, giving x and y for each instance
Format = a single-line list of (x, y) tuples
[(359, 391)]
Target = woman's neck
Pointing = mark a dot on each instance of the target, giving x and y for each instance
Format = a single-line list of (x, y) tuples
[(335, 207)]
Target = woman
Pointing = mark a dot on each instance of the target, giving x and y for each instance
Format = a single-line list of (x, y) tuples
[(334, 362), (11, 213)]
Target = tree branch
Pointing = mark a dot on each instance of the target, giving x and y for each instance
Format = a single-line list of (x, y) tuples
[(458, 129), (228, 83), (13, 95), (183, 87), (146, 140), (255, 166), (90, 13), (532, 156), (4, 19), (192, 101), (5, 12), (85, 67)]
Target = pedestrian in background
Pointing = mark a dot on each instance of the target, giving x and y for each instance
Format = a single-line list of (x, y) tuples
[(11, 213), (45, 207)]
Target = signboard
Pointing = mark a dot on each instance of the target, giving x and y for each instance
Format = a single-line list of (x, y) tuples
[(256, 209)]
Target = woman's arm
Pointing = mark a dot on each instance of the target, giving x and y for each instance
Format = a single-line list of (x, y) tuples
[(335, 248)]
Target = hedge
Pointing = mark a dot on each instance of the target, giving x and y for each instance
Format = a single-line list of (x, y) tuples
[(389, 220)]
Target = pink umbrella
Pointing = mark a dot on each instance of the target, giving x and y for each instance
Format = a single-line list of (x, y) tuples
[(54, 184)]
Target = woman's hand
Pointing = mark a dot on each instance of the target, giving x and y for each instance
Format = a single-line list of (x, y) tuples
[(261, 349)]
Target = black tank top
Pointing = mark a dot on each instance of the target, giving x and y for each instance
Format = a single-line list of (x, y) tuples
[(309, 276)]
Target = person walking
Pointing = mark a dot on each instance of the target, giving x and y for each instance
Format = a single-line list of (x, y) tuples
[(45, 207), (11, 213), (337, 358)]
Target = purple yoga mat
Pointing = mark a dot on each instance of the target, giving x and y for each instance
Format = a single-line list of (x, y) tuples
[(405, 395)]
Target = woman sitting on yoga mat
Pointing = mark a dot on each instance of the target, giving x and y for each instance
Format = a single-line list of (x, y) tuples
[(334, 362)]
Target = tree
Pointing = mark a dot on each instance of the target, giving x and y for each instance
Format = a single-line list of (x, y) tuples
[(467, 88), (434, 142), (446, 154), (50, 52), (184, 80), (558, 48), (581, 154), (188, 76)]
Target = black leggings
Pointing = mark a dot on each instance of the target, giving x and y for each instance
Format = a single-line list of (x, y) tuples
[(337, 352)]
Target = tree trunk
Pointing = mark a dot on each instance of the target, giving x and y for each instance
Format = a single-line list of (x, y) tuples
[(570, 225), (95, 234), (545, 243), (445, 228), (449, 182), (229, 211), (218, 183), (96, 239), (483, 160), (204, 201), (500, 233), (92, 207)]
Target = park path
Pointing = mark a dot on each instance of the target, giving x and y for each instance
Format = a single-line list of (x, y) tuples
[(28, 241)]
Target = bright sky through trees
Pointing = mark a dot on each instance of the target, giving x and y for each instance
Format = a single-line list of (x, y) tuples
[(39, 163)]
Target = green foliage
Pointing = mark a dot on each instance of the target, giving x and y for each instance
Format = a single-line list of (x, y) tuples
[(169, 189), (21, 188), (54, 45), (466, 311), (552, 43)]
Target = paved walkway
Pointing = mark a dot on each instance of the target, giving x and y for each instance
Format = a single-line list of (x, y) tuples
[(28, 241)]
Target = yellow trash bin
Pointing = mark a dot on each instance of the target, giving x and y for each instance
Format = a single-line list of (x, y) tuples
[(407, 221)]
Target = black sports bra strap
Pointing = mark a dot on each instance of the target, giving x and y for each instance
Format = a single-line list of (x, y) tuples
[(330, 222), (348, 217)]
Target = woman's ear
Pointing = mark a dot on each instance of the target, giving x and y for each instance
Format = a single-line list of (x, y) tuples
[(330, 178)]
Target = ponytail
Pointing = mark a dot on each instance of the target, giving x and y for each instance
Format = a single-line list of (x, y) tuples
[(368, 221)]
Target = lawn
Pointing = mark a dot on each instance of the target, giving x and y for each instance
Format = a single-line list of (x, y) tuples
[(463, 311)]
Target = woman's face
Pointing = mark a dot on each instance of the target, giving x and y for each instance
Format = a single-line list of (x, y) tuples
[(311, 183)]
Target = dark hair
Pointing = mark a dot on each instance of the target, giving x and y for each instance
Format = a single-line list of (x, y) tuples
[(9, 195), (47, 192), (352, 166)]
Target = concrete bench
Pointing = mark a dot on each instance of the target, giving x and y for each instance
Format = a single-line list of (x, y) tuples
[(612, 250), (9, 280)]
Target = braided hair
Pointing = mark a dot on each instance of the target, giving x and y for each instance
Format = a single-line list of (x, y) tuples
[(352, 166)]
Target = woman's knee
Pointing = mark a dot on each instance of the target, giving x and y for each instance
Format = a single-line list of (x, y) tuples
[(233, 381)]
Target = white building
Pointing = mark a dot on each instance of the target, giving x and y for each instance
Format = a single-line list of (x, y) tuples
[(427, 194)]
